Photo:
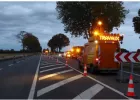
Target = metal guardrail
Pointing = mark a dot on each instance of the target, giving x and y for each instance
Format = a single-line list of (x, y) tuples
[(128, 64)]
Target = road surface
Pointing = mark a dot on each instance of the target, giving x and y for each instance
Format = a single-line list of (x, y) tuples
[(40, 77)]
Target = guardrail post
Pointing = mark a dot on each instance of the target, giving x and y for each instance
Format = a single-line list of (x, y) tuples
[(121, 78), (121, 74), (132, 66)]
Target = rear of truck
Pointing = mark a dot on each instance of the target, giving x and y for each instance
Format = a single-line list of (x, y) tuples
[(100, 56), (105, 57)]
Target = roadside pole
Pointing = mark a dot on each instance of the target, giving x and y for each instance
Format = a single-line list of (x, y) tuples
[(121, 73), (132, 72), (132, 67), (121, 78)]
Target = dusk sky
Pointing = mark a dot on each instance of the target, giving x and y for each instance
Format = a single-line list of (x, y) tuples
[(40, 18)]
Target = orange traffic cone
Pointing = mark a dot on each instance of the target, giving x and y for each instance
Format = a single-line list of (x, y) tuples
[(85, 70), (130, 92), (57, 60), (66, 63)]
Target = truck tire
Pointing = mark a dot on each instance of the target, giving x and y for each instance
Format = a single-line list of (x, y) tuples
[(93, 69)]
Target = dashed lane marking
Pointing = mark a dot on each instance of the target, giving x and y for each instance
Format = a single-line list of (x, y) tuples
[(107, 86), (18, 62), (90, 93), (56, 85), (52, 69), (1, 68), (32, 91), (11, 65), (51, 65), (54, 74)]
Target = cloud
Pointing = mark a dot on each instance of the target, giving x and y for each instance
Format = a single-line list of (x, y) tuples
[(40, 18)]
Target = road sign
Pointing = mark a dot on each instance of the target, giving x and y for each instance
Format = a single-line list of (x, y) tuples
[(127, 57)]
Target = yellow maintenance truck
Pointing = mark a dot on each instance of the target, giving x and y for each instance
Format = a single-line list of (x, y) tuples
[(98, 53), (76, 51)]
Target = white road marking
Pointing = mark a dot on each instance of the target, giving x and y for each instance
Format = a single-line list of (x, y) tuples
[(51, 75), (107, 86), (11, 65), (18, 62), (133, 73), (56, 85), (51, 65), (91, 92), (1, 68), (32, 91), (52, 69)]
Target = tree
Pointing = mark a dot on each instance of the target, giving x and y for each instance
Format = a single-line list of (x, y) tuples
[(29, 42), (136, 23), (20, 37), (51, 45), (58, 41), (80, 18)]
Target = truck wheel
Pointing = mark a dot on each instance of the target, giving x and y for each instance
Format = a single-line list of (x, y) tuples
[(93, 69), (80, 66)]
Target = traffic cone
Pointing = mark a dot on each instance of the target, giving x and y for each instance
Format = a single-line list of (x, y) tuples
[(85, 70), (130, 92), (66, 63), (57, 60)]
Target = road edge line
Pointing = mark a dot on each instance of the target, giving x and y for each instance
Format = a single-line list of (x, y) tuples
[(107, 86), (32, 90)]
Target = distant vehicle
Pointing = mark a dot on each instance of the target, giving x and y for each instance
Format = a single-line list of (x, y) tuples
[(98, 54), (67, 54), (60, 55), (76, 51), (45, 52)]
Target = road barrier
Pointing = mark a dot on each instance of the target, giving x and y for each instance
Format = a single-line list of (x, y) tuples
[(131, 58), (127, 57)]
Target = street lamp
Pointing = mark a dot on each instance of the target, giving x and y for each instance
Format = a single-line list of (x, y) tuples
[(99, 23)]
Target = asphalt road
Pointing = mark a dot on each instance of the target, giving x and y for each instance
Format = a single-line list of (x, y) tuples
[(16, 77), (38, 77)]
